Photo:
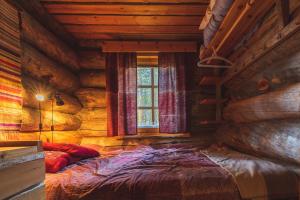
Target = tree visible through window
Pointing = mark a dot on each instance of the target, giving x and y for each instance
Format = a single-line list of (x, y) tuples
[(147, 96)]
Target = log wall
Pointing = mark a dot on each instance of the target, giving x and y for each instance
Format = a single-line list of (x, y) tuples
[(92, 94), (49, 67), (262, 116)]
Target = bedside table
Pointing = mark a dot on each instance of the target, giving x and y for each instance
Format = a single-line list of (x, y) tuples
[(22, 170)]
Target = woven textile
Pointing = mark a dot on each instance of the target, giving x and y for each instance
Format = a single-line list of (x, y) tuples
[(121, 94), (174, 68), (10, 70)]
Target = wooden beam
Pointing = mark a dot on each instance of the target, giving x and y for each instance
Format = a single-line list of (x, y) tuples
[(112, 9), (128, 20), (283, 8), (238, 23), (132, 29), (134, 46), (130, 1)]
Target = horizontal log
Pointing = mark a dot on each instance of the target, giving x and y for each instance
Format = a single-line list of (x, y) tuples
[(32, 87), (45, 69), (45, 41), (110, 9), (128, 20), (72, 137), (163, 46), (95, 78), (95, 125), (280, 104), (93, 119), (90, 114), (278, 139), (283, 70), (92, 59), (91, 97), (92, 133), (61, 121)]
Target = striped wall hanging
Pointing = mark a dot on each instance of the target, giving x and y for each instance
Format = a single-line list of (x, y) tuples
[(10, 70)]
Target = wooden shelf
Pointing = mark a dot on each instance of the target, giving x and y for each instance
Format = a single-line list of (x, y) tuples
[(210, 101), (209, 80)]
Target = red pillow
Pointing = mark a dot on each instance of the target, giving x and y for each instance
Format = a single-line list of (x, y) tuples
[(72, 149), (56, 161)]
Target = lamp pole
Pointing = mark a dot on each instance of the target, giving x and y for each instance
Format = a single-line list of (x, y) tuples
[(40, 124)]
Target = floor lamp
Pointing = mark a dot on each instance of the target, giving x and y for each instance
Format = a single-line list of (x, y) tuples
[(59, 102), (40, 98)]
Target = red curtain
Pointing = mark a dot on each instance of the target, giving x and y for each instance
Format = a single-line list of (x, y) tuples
[(121, 94), (173, 91)]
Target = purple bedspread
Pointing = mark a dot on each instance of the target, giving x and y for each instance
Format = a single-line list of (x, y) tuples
[(145, 173)]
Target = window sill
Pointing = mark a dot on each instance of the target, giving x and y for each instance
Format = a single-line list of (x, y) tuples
[(157, 135)]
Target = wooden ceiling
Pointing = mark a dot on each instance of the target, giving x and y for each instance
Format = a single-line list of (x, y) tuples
[(130, 19)]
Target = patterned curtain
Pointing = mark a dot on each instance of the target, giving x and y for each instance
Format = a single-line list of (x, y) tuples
[(121, 93), (173, 91)]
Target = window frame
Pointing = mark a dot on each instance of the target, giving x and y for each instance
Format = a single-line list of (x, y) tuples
[(152, 107)]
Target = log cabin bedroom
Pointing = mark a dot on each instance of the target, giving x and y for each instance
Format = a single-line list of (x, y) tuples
[(150, 99)]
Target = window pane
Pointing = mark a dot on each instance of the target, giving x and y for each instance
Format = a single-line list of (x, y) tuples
[(155, 76), (144, 97), (155, 97), (144, 117), (156, 118), (144, 76)]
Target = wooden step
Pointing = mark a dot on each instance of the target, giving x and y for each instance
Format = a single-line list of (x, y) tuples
[(210, 101), (209, 80)]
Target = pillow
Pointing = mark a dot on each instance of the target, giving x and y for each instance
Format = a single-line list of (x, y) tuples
[(56, 161), (72, 149)]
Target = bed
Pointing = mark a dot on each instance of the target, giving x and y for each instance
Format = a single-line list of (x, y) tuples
[(173, 172)]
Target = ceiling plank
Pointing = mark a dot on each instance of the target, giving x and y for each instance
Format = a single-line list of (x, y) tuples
[(112, 36), (128, 20), (134, 46), (129, 1), (126, 9), (132, 29)]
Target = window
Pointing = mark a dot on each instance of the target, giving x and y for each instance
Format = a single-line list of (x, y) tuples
[(147, 96)]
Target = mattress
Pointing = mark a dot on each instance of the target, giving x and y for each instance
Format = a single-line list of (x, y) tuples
[(156, 173)]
